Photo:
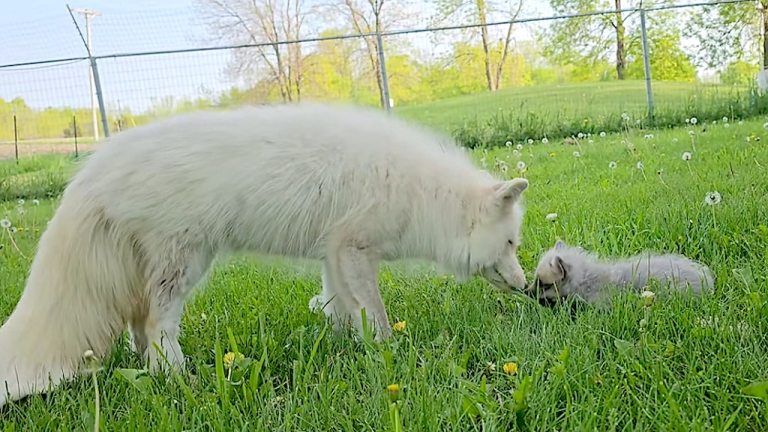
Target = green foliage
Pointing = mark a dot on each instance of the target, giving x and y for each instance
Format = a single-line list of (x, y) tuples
[(679, 364), (739, 73), (727, 32), (35, 178), (667, 59)]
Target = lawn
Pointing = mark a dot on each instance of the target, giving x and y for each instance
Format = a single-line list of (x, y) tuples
[(572, 100), (679, 364), (557, 111)]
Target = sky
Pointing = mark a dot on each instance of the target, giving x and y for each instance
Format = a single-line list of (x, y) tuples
[(43, 29)]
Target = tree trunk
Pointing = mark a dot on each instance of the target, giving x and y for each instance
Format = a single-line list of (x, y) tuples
[(620, 52), (484, 36), (765, 33), (505, 47)]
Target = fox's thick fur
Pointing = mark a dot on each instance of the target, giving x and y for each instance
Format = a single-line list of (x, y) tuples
[(571, 272), (140, 223)]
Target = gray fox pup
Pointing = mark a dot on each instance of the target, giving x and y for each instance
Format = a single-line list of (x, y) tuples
[(567, 271)]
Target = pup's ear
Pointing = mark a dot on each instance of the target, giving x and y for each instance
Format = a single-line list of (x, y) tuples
[(559, 245), (560, 267), (509, 191)]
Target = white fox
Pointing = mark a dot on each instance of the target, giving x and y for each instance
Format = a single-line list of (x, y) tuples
[(140, 223)]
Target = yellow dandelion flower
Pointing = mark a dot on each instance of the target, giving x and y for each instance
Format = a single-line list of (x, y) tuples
[(398, 326), (510, 368), (394, 391), (230, 358)]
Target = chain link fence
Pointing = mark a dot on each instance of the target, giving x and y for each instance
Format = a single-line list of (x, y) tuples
[(514, 69)]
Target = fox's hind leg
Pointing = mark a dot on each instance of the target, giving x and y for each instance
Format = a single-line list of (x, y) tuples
[(169, 285)]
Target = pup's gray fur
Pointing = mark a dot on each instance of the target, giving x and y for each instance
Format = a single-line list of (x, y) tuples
[(566, 271)]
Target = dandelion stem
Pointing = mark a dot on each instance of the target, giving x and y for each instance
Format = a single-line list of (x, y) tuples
[(13, 242), (96, 416)]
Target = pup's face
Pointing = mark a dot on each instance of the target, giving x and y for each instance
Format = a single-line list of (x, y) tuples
[(496, 237), (550, 282)]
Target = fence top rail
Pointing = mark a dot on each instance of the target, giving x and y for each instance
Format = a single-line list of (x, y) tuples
[(372, 34)]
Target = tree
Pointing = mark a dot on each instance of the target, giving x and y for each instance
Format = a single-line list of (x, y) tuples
[(262, 21), (479, 10), (730, 32), (667, 59), (739, 72), (592, 39), (367, 16)]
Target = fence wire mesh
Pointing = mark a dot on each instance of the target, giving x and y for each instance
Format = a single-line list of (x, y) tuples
[(451, 67)]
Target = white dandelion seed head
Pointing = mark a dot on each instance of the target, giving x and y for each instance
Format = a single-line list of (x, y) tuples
[(624, 116), (504, 168), (13, 230), (35, 202), (640, 165), (714, 122), (576, 154), (674, 140), (727, 125), (520, 165), (765, 125), (89, 355), (20, 202), (508, 143), (20, 210), (687, 120), (687, 156), (602, 134), (5, 223), (648, 136), (515, 152), (580, 135), (725, 119), (694, 120), (591, 141), (544, 140), (690, 132), (530, 141), (519, 147), (612, 164), (647, 296), (712, 198), (551, 217)]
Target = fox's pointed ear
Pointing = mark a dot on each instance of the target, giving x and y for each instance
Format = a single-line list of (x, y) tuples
[(509, 191), (562, 267), (559, 245)]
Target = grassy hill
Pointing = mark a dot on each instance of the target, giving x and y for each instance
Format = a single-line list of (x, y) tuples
[(566, 109)]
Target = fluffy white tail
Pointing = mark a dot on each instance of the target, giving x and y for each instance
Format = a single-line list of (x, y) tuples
[(77, 298)]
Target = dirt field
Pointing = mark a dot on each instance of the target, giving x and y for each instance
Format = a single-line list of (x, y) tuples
[(7, 151)]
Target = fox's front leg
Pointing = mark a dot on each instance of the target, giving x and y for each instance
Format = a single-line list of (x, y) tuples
[(350, 284)]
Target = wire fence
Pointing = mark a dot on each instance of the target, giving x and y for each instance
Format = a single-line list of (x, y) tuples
[(69, 79)]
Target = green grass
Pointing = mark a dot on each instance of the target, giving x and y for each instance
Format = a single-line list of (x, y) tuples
[(555, 111), (596, 370)]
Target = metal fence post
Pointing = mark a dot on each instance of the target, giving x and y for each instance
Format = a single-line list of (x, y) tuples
[(646, 64), (94, 67), (383, 71), (100, 97)]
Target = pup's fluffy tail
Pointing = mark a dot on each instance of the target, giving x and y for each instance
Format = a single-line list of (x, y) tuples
[(77, 298)]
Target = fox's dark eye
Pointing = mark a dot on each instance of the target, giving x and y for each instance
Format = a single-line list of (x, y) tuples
[(511, 243)]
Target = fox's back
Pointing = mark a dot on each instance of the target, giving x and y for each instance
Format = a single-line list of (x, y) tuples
[(676, 269)]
